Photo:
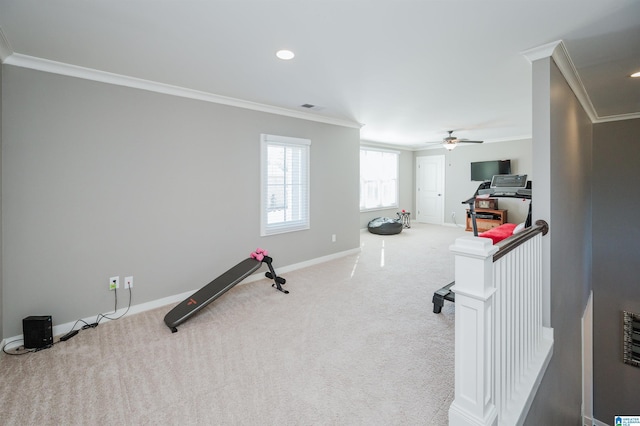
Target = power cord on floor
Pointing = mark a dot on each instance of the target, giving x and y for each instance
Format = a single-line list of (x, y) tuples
[(100, 317), (21, 350)]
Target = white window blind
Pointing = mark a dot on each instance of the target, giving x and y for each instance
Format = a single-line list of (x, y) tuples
[(378, 179), (284, 184)]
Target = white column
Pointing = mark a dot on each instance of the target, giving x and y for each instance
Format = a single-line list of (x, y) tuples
[(474, 402)]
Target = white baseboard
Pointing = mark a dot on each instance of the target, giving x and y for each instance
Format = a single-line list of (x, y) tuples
[(311, 262), (587, 360), (177, 298), (61, 329)]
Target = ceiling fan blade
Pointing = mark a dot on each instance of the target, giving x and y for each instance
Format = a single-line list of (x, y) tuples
[(451, 141)]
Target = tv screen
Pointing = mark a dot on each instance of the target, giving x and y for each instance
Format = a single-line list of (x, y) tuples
[(483, 171)]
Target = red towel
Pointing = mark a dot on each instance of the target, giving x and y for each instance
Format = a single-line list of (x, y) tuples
[(499, 233)]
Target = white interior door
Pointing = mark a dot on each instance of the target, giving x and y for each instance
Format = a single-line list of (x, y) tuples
[(430, 189)]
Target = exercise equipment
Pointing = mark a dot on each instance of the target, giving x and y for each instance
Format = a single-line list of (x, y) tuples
[(405, 218), (216, 288), (505, 186)]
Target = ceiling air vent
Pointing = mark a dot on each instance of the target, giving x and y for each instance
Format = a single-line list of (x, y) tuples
[(312, 107)]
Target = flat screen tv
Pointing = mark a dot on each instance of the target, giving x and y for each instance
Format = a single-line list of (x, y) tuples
[(483, 171)]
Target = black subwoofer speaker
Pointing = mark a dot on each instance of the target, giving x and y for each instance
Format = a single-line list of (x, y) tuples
[(37, 331)]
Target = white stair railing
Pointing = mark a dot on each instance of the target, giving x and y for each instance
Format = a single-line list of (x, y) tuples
[(502, 348)]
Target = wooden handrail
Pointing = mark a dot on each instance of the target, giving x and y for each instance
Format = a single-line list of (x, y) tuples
[(509, 244)]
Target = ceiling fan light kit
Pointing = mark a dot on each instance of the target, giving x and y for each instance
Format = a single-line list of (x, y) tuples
[(450, 142), (449, 145)]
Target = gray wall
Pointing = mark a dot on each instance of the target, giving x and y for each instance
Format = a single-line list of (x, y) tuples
[(102, 180), (458, 184), (616, 252), (1, 259), (562, 143), (405, 187)]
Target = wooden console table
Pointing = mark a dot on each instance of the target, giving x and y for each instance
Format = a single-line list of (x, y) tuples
[(498, 217)]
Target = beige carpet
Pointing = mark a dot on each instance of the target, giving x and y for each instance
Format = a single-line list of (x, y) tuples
[(354, 343)]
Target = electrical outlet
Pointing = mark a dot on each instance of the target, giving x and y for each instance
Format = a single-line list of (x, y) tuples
[(128, 281), (453, 214), (114, 282), (333, 238)]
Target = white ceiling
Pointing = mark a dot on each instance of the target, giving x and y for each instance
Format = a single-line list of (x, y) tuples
[(408, 71)]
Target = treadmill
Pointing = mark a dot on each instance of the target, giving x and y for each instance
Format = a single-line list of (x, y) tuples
[(501, 186)]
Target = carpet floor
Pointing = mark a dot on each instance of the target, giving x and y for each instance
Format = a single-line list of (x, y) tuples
[(355, 342)]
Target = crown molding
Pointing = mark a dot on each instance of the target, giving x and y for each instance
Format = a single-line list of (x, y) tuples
[(619, 117), (558, 51), (54, 67), (381, 146), (567, 68), (544, 51), (5, 47)]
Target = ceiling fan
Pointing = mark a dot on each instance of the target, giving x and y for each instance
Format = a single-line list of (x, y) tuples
[(450, 142)]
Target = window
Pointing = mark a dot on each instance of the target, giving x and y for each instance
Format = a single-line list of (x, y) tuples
[(378, 178), (284, 184)]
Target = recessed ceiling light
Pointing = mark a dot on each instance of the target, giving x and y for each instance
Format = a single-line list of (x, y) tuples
[(635, 74), (285, 55)]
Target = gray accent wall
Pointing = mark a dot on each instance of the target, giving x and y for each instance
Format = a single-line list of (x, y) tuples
[(101, 180), (616, 264), (1, 258), (562, 146), (460, 187)]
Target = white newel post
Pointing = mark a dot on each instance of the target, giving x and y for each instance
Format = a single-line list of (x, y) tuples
[(474, 402)]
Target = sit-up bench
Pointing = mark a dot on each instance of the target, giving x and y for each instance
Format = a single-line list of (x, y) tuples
[(216, 288)]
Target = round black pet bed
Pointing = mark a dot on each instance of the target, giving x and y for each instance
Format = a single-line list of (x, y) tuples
[(384, 226)]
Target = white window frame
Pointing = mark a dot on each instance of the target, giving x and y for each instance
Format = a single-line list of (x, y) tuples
[(380, 186), (296, 195)]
